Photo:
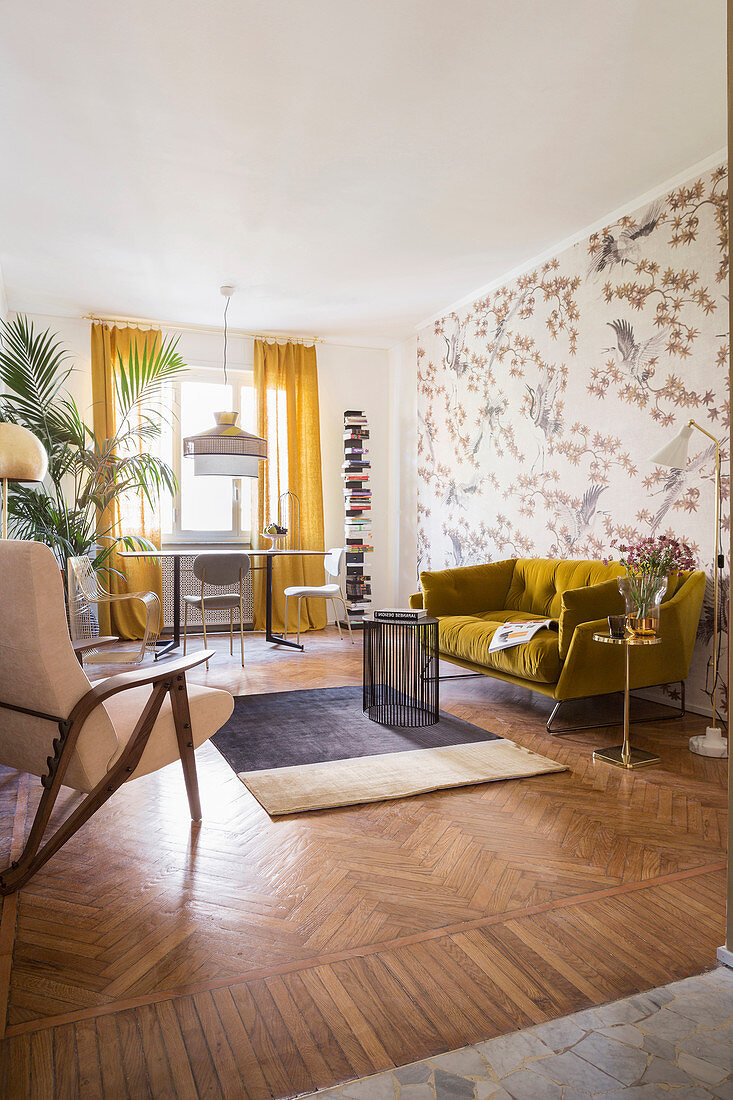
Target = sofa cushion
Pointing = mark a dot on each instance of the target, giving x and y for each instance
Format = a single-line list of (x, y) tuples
[(468, 636), (467, 590), (537, 584)]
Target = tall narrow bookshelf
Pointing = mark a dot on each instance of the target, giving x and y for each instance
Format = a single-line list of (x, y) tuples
[(358, 515)]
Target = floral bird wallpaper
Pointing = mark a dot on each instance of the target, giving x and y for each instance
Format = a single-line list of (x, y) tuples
[(540, 403)]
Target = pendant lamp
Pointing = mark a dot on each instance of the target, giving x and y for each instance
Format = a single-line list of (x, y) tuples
[(225, 450)]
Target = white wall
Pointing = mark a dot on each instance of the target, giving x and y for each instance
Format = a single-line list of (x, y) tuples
[(348, 377)]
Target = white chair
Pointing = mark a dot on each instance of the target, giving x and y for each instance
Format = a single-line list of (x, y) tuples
[(94, 738), (333, 592), (84, 589), (220, 571)]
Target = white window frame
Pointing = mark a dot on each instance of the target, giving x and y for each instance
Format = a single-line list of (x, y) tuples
[(239, 535)]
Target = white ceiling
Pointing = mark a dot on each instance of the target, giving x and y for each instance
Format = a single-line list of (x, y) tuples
[(352, 166)]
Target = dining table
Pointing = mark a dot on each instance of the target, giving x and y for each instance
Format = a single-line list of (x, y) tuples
[(177, 552)]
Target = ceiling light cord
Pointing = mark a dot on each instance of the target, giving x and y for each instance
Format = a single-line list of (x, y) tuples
[(226, 307)]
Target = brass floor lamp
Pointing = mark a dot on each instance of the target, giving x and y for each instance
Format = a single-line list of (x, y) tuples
[(674, 454), (22, 458)]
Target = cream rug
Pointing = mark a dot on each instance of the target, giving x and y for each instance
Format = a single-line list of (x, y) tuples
[(392, 775)]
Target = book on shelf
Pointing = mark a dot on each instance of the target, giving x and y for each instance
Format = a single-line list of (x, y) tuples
[(400, 614)]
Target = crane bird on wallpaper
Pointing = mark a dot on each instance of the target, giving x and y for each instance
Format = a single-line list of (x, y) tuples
[(542, 413), (621, 246), (677, 482), (455, 358), (460, 496), (490, 424), (457, 547), (635, 358), (577, 523)]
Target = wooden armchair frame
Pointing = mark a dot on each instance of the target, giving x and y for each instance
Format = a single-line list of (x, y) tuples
[(167, 679)]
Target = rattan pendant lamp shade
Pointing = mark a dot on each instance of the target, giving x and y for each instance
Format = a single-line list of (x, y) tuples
[(225, 450)]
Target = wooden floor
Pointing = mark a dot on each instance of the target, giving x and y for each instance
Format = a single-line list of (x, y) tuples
[(257, 957)]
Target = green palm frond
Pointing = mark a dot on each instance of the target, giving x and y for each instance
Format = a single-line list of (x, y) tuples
[(140, 379), (33, 370), (86, 475)]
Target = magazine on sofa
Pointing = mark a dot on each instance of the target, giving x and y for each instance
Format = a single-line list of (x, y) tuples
[(510, 634)]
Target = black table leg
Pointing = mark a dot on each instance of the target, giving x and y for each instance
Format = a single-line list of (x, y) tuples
[(164, 648), (276, 638)]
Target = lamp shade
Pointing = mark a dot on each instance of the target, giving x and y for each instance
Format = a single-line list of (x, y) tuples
[(22, 456), (226, 450), (674, 453)]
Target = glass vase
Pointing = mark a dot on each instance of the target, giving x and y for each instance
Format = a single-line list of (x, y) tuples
[(643, 595)]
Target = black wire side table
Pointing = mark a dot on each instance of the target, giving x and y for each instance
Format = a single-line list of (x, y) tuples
[(401, 672)]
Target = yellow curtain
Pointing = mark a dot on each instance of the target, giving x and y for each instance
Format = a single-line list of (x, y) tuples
[(132, 514), (286, 387)]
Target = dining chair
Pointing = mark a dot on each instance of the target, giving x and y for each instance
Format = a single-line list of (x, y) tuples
[(85, 589), (333, 592), (92, 737), (219, 571)]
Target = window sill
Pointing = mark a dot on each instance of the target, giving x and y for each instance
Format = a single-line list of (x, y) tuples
[(195, 545)]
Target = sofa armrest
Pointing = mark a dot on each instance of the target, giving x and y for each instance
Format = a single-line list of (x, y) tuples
[(416, 601), (595, 669), (587, 604), (467, 589)]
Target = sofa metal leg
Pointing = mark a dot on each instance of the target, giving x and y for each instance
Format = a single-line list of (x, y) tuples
[(678, 713), (461, 676)]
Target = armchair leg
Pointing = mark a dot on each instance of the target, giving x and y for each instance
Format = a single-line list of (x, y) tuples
[(34, 856), (182, 720), (679, 712)]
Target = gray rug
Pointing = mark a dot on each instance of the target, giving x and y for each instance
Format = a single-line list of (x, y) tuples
[(290, 728)]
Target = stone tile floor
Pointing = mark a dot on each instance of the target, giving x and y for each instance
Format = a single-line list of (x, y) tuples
[(676, 1041)]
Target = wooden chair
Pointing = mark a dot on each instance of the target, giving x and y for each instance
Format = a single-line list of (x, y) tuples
[(219, 571), (333, 592), (94, 738)]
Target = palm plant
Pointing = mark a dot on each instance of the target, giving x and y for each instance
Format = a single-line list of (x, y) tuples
[(73, 511)]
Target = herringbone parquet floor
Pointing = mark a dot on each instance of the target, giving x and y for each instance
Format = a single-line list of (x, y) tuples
[(266, 958)]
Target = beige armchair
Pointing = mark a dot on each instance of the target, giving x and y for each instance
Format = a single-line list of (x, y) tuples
[(55, 724)]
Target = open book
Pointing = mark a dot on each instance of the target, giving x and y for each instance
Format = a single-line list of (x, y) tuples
[(510, 634)]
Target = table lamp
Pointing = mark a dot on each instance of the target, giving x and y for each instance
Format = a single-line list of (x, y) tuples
[(674, 454), (22, 458)]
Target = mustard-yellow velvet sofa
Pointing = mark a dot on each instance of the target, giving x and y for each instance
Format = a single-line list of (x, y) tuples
[(472, 601)]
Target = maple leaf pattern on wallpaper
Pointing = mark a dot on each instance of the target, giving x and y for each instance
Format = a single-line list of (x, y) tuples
[(540, 402)]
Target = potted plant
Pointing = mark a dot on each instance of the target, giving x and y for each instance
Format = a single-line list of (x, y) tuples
[(70, 511), (648, 564)]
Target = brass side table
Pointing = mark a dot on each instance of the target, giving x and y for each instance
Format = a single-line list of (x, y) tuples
[(623, 756)]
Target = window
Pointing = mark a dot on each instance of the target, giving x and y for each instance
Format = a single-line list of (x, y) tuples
[(206, 509)]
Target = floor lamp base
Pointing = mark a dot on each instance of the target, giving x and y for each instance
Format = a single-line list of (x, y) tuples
[(711, 743)]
